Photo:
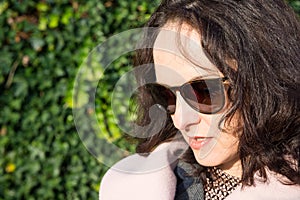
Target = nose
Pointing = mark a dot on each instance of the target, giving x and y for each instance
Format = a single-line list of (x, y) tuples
[(184, 116)]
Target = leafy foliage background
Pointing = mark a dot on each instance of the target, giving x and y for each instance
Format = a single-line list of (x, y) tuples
[(42, 45)]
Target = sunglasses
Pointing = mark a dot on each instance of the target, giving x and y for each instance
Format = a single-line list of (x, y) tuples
[(205, 95)]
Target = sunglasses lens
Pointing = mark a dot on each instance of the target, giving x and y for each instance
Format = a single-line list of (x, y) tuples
[(163, 96), (206, 96)]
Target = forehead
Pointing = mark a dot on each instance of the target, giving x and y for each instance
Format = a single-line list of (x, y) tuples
[(179, 56)]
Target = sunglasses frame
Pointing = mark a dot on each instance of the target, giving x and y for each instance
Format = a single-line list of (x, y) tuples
[(180, 89)]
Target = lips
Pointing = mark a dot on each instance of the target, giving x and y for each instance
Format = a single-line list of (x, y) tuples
[(197, 143)]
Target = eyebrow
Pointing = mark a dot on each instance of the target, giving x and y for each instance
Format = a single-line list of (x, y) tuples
[(194, 79), (205, 76), (200, 77)]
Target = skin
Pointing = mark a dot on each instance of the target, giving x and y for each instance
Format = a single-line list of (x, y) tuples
[(173, 69)]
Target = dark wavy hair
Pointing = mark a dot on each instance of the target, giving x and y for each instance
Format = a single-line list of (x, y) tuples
[(263, 39)]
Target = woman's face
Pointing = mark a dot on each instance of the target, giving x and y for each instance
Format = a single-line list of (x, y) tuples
[(211, 146)]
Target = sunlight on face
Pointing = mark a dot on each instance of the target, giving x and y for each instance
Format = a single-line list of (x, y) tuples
[(211, 146)]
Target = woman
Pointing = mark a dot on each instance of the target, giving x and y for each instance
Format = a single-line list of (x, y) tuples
[(227, 74)]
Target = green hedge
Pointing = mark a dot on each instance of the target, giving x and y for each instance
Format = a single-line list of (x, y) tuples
[(42, 45)]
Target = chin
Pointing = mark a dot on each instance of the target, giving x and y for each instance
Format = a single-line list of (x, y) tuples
[(209, 160)]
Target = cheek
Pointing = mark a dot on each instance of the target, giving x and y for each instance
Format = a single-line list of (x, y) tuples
[(226, 147), (224, 150), (227, 141), (227, 150), (234, 126)]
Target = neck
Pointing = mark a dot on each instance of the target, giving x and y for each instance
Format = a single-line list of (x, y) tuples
[(234, 168)]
